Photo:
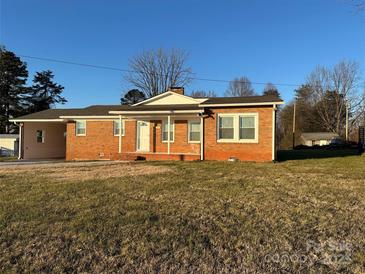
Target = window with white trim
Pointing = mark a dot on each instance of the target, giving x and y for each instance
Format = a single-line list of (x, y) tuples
[(116, 126), (165, 130), (194, 131), (237, 127), (247, 128), (40, 136), (226, 127), (80, 128)]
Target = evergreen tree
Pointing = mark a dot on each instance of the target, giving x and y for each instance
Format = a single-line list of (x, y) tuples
[(45, 93), (132, 97), (270, 89), (13, 77)]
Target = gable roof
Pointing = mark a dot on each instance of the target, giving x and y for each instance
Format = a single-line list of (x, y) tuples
[(179, 98), (195, 105)]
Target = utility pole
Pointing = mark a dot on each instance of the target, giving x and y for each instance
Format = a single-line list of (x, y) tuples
[(294, 124)]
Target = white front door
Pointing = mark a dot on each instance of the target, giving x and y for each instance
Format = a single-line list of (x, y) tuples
[(143, 136)]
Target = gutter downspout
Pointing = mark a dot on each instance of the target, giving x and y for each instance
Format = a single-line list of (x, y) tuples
[(120, 135), (20, 125), (274, 133), (201, 138)]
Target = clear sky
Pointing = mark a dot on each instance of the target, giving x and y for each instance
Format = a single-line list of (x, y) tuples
[(279, 41)]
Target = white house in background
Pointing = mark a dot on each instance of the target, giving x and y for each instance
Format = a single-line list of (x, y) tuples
[(9, 144), (319, 138)]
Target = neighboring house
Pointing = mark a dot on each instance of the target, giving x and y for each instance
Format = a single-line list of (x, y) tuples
[(9, 144), (319, 138), (169, 126)]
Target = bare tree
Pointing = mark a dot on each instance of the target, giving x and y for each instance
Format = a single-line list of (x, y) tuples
[(239, 87), (333, 90), (203, 94), (270, 89), (153, 72)]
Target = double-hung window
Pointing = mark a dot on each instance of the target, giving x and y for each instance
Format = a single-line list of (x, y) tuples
[(116, 127), (194, 131), (80, 128), (165, 130), (237, 127), (247, 128), (40, 136), (226, 127)]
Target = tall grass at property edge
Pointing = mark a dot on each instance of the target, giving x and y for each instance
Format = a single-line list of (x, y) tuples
[(296, 216)]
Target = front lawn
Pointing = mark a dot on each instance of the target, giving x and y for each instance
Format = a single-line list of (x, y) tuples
[(303, 216)]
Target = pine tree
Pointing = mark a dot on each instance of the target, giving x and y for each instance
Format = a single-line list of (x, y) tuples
[(132, 97), (44, 92), (13, 77)]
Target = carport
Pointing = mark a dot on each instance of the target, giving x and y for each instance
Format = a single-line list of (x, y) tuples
[(42, 135)]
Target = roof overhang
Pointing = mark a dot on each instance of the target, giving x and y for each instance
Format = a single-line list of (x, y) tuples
[(149, 112), (36, 120), (242, 104), (90, 117)]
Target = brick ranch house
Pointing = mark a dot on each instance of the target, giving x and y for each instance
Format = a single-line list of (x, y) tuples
[(169, 126)]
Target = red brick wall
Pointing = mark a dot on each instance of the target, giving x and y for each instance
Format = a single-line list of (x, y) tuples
[(261, 151), (100, 142), (180, 143)]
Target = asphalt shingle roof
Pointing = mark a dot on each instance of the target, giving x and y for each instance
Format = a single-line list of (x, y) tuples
[(103, 110), (242, 100)]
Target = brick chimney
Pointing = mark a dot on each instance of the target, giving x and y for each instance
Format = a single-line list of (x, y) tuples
[(179, 90)]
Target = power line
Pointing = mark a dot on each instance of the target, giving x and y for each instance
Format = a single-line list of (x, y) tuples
[(132, 71)]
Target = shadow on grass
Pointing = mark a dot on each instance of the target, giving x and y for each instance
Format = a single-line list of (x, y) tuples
[(301, 154)]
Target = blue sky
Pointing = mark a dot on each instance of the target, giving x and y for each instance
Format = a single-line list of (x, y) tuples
[(278, 41)]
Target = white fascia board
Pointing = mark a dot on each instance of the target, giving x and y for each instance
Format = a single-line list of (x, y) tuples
[(153, 98), (156, 112), (90, 117), (36, 120), (241, 104)]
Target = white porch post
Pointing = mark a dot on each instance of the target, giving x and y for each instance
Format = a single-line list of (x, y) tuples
[(168, 133), (20, 141), (201, 138), (120, 134)]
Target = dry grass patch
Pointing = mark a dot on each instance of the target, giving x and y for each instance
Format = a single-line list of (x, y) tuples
[(199, 217), (85, 171)]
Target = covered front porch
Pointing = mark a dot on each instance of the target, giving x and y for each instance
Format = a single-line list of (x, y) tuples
[(161, 136)]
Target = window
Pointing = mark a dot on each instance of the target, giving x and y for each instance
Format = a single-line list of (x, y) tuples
[(237, 127), (247, 127), (40, 136), (164, 131), (80, 128), (226, 128), (194, 131), (116, 126)]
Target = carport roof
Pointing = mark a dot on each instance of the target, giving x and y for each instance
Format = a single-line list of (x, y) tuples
[(55, 114)]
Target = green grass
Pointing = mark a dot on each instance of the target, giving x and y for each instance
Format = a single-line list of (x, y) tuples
[(201, 217)]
